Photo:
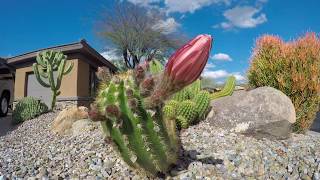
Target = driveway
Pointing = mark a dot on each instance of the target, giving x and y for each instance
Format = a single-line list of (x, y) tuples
[(5, 125)]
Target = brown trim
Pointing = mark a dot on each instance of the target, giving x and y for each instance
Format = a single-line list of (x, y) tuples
[(26, 83), (75, 98), (81, 47)]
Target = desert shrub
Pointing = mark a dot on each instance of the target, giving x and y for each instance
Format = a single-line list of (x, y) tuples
[(28, 108), (294, 69)]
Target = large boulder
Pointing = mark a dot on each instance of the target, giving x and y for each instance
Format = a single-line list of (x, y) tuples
[(262, 112), (62, 124)]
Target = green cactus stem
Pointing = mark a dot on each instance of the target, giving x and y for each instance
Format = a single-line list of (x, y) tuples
[(227, 89), (144, 138), (155, 67), (47, 63), (202, 103), (186, 110)]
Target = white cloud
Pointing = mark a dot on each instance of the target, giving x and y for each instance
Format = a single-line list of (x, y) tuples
[(239, 77), (167, 26), (111, 54), (145, 3), (221, 57), (210, 65), (242, 17), (218, 74), (190, 5)]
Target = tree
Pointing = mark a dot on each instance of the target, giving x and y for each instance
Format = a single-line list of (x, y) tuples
[(137, 33)]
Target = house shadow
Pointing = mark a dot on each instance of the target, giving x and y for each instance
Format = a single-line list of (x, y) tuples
[(6, 125)]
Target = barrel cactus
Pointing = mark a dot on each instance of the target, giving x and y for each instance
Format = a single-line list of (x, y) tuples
[(47, 63)]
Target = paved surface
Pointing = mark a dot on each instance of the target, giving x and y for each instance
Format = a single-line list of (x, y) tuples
[(5, 125)]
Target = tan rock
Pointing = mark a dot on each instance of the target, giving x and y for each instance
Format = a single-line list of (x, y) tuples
[(83, 125), (62, 124)]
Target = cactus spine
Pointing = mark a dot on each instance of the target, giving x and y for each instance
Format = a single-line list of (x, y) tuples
[(47, 63), (144, 137), (227, 89)]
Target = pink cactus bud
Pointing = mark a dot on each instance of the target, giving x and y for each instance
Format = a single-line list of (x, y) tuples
[(187, 63)]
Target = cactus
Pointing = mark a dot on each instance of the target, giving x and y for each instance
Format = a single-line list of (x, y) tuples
[(202, 103), (28, 108), (131, 113), (155, 67), (194, 88), (145, 139), (186, 110), (47, 63), (227, 89)]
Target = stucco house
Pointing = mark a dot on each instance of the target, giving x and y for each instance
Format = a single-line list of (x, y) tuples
[(77, 87)]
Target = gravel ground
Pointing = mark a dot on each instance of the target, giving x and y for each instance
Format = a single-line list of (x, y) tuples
[(31, 151)]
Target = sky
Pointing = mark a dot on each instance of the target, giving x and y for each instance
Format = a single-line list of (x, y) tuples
[(234, 24)]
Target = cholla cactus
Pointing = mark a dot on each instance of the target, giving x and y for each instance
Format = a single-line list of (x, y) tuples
[(47, 63), (130, 110)]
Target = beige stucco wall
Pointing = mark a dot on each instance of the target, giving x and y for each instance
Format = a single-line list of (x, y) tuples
[(69, 85), (83, 79)]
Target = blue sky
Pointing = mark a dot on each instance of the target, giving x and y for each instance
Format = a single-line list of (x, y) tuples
[(234, 24)]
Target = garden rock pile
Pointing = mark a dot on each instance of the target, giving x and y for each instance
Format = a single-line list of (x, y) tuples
[(33, 151), (261, 112)]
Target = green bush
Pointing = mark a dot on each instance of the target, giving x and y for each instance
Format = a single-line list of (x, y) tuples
[(28, 108), (294, 69)]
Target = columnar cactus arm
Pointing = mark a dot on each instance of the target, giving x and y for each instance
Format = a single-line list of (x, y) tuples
[(37, 74), (69, 68), (227, 89), (60, 73), (41, 60), (151, 131), (119, 141), (131, 128), (168, 131), (43, 73)]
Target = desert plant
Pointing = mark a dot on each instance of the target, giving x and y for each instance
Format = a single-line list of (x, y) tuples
[(28, 108), (130, 110), (47, 63), (155, 67), (294, 69), (227, 89)]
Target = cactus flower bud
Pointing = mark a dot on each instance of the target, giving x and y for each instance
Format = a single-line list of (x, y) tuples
[(94, 114), (139, 74), (112, 111), (187, 63)]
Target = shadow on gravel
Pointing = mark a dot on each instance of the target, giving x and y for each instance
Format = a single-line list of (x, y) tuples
[(188, 157), (6, 126)]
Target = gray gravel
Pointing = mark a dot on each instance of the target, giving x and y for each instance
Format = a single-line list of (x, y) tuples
[(31, 151)]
